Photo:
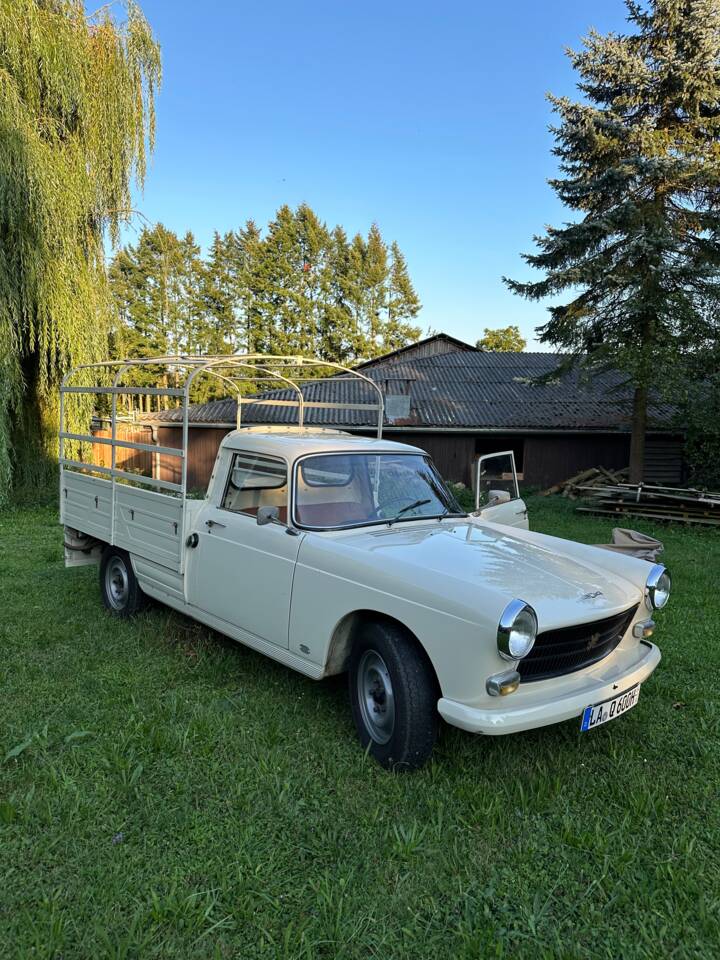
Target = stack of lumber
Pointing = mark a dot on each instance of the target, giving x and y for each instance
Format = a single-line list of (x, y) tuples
[(588, 479), (652, 502)]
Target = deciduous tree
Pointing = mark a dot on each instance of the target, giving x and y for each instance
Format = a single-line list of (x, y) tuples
[(76, 118), (503, 340)]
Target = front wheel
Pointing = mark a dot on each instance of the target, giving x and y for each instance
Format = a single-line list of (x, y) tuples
[(119, 588), (393, 696)]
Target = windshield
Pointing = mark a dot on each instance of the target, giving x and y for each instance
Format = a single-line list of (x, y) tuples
[(355, 489)]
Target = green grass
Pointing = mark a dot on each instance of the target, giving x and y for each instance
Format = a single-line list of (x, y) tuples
[(165, 793)]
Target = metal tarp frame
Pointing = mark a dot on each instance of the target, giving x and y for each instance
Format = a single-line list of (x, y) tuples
[(232, 369)]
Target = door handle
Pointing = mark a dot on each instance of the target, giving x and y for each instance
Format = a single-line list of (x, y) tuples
[(213, 523)]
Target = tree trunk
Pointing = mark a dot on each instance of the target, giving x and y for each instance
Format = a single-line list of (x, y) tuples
[(34, 429), (637, 439)]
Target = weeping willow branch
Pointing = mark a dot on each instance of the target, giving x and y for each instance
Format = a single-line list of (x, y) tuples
[(76, 124)]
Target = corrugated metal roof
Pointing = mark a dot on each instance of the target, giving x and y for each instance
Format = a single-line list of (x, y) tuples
[(460, 390)]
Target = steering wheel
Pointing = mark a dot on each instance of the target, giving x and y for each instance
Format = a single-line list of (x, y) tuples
[(388, 503)]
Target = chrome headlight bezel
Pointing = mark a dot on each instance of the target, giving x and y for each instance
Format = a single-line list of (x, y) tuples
[(510, 633), (658, 587)]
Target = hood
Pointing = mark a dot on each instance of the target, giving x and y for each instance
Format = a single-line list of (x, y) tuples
[(563, 588)]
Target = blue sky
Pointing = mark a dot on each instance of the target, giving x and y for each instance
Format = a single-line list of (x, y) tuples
[(430, 119)]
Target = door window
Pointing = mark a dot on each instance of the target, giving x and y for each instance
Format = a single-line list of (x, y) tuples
[(256, 481), (497, 480)]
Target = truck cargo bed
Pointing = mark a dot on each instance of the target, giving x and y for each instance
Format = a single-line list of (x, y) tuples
[(147, 524)]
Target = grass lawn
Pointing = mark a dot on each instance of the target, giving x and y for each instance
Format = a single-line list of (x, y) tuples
[(165, 793)]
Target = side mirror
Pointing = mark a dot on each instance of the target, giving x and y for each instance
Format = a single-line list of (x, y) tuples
[(496, 497), (268, 515)]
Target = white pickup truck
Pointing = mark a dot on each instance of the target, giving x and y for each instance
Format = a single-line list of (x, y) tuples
[(331, 553)]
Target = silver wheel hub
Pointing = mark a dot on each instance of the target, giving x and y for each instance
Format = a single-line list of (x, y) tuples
[(375, 696), (117, 585)]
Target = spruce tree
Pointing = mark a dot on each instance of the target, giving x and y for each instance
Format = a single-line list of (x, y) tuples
[(375, 288), (314, 242), (356, 297), (249, 281), (219, 291), (282, 281), (639, 162), (301, 289), (336, 340), (403, 303)]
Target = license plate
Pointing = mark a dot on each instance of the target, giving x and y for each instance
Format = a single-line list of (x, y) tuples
[(600, 713)]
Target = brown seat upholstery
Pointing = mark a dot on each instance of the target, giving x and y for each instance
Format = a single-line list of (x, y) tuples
[(335, 514)]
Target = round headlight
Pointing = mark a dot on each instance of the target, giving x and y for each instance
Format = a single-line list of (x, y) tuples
[(657, 588), (517, 630)]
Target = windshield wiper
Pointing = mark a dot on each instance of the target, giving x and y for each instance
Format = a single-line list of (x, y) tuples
[(448, 513), (410, 506)]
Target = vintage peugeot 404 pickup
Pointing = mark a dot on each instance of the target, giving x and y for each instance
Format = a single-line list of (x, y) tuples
[(332, 552)]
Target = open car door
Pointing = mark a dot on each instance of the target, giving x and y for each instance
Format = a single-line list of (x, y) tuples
[(497, 495)]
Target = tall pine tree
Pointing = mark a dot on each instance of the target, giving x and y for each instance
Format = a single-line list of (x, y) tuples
[(640, 163)]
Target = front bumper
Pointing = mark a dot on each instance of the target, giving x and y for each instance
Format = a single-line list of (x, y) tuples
[(540, 704)]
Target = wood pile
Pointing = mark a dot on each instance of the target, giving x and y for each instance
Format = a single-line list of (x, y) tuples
[(651, 502), (595, 477)]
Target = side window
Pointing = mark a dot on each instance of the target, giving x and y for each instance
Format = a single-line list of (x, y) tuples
[(497, 480), (256, 481)]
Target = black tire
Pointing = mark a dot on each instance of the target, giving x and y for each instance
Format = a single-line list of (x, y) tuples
[(119, 588), (382, 653)]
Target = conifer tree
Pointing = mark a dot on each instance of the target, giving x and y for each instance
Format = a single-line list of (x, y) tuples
[(219, 288), (403, 303), (76, 112), (300, 289), (356, 296), (249, 282), (337, 331), (375, 288), (639, 162)]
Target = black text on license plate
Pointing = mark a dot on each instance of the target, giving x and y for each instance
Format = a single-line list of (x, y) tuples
[(602, 712)]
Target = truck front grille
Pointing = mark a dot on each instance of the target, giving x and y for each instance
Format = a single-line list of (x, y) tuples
[(557, 652)]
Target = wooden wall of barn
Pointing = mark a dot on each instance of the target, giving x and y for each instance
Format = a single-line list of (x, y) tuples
[(426, 348), (203, 445), (545, 459), (542, 459), (452, 453), (552, 458)]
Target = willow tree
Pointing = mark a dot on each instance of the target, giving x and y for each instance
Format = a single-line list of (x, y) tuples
[(76, 122), (640, 163)]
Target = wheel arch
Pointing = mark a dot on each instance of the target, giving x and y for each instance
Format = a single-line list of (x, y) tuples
[(347, 629)]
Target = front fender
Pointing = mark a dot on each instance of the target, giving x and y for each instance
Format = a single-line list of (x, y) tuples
[(332, 581)]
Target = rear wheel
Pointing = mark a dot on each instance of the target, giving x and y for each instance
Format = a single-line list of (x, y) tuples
[(119, 587), (393, 695)]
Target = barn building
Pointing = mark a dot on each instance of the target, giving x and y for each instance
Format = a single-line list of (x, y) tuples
[(458, 402)]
